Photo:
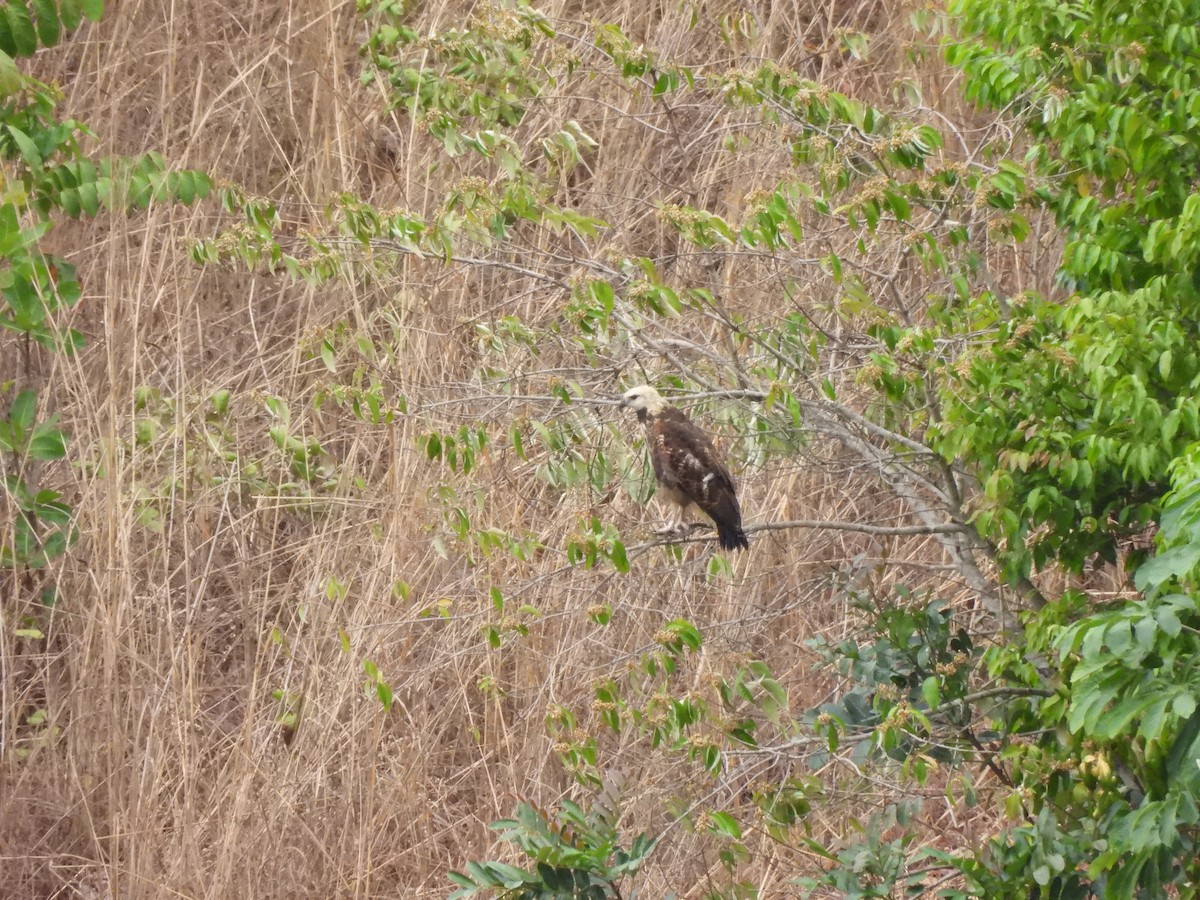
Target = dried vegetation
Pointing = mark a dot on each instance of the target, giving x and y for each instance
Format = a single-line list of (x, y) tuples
[(207, 731)]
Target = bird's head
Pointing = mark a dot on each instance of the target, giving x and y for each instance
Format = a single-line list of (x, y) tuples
[(643, 400)]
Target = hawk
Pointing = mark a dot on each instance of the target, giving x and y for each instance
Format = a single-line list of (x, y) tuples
[(687, 467)]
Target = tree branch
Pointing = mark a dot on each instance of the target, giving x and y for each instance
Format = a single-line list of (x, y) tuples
[(818, 524)]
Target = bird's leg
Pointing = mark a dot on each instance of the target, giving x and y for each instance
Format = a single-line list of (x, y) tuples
[(685, 527), (681, 525), (674, 521)]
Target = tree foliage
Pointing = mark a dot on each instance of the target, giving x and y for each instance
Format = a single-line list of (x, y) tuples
[(1077, 409)]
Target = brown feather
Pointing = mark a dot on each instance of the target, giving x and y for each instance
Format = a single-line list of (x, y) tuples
[(689, 470)]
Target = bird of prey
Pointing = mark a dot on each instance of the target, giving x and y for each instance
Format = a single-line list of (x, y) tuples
[(687, 467)]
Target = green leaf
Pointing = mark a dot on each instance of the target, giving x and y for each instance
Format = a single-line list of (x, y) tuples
[(22, 411), (47, 22), (686, 632), (774, 699), (49, 443), (1182, 750), (7, 46), (619, 560), (384, 692), (89, 198), (1183, 705), (462, 880), (1173, 563), (511, 875), (11, 79), (20, 27), (183, 186), (725, 824), (71, 12), (518, 444), (482, 874), (29, 150), (69, 200), (931, 691)]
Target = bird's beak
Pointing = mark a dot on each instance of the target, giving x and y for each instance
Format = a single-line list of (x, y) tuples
[(624, 404)]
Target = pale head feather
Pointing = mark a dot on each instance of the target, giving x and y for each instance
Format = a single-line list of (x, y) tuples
[(643, 398)]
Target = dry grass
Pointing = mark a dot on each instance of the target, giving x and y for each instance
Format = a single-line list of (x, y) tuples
[(198, 595)]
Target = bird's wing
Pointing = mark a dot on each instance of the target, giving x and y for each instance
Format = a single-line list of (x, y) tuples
[(685, 460)]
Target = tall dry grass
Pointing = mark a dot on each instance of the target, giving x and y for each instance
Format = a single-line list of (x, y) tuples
[(203, 600)]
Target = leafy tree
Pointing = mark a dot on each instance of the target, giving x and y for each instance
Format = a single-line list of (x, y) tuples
[(1083, 452), (1078, 414), (1076, 409)]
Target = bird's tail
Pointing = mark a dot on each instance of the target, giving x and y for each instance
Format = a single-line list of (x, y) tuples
[(731, 536)]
